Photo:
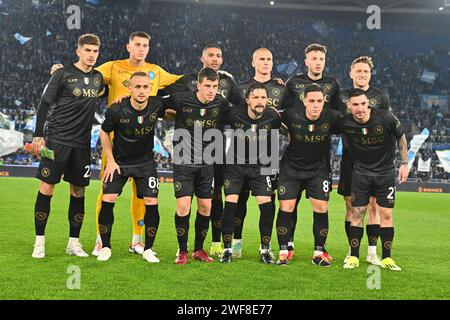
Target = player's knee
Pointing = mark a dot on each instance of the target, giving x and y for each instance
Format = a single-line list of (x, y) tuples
[(183, 207), (204, 207), (287, 206), (76, 191), (386, 217), (46, 188), (110, 197), (232, 198), (263, 199), (150, 201)]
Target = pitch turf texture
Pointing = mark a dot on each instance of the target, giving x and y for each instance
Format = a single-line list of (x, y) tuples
[(421, 245)]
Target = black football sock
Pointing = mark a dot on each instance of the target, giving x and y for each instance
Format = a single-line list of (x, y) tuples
[(284, 226), (201, 230), (373, 232), (240, 213), (266, 223), (228, 223), (41, 213), (76, 216), (320, 230), (387, 237), (182, 226), (216, 219), (354, 239), (151, 220), (105, 223)]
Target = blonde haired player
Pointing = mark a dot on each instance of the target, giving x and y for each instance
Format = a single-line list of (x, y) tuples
[(116, 75)]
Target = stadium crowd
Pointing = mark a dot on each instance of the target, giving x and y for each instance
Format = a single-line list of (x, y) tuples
[(177, 43)]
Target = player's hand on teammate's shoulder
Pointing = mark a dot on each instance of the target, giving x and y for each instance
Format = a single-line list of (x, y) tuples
[(37, 144), (111, 167), (119, 100), (55, 67), (280, 81), (403, 173)]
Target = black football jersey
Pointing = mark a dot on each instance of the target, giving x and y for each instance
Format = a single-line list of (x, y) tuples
[(241, 123), (378, 99), (193, 115), (277, 94), (73, 94), (228, 88), (296, 85), (372, 144), (133, 130), (309, 146)]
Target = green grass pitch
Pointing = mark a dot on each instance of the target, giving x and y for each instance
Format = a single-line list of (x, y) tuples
[(421, 245)]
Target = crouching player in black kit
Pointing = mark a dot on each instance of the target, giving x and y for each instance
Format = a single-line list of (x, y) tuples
[(131, 155), (372, 135), (248, 167), (304, 167), (73, 91)]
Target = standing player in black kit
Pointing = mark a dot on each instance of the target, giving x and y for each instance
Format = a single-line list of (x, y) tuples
[(372, 135), (315, 58), (277, 94), (360, 73), (72, 91), (304, 167), (247, 168), (212, 58), (130, 155), (195, 110)]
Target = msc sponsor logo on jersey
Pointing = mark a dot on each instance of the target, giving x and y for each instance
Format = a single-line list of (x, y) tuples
[(90, 93)]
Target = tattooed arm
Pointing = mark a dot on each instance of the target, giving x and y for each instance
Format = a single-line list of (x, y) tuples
[(403, 149)]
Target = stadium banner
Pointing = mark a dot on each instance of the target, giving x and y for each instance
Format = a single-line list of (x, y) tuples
[(444, 158), (415, 144), (428, 76), (424, 166), (430, 101), (10, 141)]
